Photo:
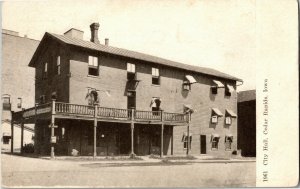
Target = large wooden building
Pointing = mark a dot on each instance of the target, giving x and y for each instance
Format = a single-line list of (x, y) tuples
[(95, 99)]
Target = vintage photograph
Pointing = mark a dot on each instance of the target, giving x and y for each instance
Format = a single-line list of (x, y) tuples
[(128, 94)]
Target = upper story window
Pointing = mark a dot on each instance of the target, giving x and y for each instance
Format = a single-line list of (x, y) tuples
[(216, 84), (189, 80), (228, 90), (155, 76), (19, 104), (216, 113), (131, 74), (58, 65), (45, 71), (93, 66), (6, 102)]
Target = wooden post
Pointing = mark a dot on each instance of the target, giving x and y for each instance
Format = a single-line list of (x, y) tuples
[(22, 132), (12, 133), (35, 128), (132, 133), (162, 135), (188, 134), (95, 131), (172, 140), (52, 128)]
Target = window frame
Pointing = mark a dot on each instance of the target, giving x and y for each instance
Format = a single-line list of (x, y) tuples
[(131, 71), (227, 90), (155, 76), (187, 86), (228, 118), (92, 66), (185, 142), (228, 142), (215, 143)]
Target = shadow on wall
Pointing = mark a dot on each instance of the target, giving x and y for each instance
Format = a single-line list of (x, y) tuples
[(212, 97)]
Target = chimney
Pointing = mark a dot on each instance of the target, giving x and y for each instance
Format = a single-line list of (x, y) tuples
[(74, 33), (106, 41), (94, 32)]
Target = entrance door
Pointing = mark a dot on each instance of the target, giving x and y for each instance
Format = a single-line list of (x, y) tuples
[(203, 144)]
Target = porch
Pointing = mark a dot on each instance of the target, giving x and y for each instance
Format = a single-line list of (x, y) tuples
[(55, 114)]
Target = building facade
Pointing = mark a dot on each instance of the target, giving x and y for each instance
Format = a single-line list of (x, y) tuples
[(247, 123), (17, 86), (112, 101)]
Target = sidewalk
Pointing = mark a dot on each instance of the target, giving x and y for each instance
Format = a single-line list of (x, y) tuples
[(148, 159)]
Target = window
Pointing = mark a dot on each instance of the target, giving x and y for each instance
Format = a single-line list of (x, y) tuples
[(6, 139), (186, 139), (93, 66), (155, 76), (228, 90), (6, 102), (131, 74), (229, 115), (214, 90), (45, 73), (216, 84), (19, 104), (92, 96), (228, 141), (186, 86), (58, 65), (228, 120), (215, 142), (216, 113)]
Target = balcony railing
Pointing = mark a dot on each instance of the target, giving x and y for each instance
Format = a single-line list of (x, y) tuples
[(66, 109)]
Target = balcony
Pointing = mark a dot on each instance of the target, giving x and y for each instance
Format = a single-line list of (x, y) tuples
[(75, 111)]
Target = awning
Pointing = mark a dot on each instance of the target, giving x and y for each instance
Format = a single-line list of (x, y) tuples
[(218, 83), (188, 108), (231, 113), (215, 136), (191, 79), (229, 135), (217, 112), (230, 88)]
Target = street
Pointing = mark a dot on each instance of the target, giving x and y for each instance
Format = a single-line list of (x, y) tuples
[(24, 171)]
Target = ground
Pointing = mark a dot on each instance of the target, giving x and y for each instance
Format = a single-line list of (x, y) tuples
[(25, 171)]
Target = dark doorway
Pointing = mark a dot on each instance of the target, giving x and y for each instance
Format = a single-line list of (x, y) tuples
[(203, 144), (124, 139)]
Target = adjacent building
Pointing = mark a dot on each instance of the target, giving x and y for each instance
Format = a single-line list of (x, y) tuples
[(17, 86), (95, 99), (247, 123)]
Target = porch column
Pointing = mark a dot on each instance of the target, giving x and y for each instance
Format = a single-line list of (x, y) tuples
[(22, 132), (52, 128), (12, 133), (132, 133), (162, 134), (188, 133), (95, 131), (162, 141)]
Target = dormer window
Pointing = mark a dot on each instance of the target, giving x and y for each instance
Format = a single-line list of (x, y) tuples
[(228, 90), (216, 113), (216, 84), (155, 76), (93, 66), (189, 80), (229, 114), (131, 74)]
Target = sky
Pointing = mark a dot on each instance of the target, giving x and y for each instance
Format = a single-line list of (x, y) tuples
[(208, 33)]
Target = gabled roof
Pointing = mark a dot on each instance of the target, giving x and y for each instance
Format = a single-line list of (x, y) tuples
[(244, 96), (133, 55)]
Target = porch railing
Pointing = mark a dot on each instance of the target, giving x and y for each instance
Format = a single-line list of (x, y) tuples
[(102, 112), (147, 115), (113, 112), (74, 109), (175, 117)]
